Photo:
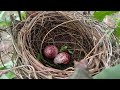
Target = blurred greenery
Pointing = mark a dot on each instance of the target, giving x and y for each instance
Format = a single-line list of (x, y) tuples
[(100, 15), (112, 72), (117, 31), (23, 15), (109, 73), (4, 20), (8, 75)]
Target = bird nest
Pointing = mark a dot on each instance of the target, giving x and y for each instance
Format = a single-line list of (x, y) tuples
[(85, 39)]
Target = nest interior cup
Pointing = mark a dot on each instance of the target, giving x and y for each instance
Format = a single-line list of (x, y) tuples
[(83, 37)]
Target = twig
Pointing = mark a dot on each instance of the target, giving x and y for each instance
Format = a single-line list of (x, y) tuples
[(19, 13)]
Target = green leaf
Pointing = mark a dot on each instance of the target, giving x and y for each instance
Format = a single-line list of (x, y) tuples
[(117, 31), (100, 15), (4, 77), (23, 15), (109, 73), (2, 68), (4, 23), (10, 75), (63, 48), (7, 65)]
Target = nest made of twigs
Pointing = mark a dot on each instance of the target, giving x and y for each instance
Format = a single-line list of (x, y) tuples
[(87, 39)]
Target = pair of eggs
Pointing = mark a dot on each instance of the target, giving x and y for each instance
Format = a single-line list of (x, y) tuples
[(51, 52)]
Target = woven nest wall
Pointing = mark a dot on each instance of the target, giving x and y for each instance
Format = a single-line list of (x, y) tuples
[(87, 39)]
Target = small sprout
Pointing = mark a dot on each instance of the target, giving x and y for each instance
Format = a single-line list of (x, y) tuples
[(63, 48)]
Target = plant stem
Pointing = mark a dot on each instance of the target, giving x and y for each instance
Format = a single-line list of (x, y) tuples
[(19, 13)]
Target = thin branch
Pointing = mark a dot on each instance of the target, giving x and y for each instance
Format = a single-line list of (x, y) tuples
[(19, 13)]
